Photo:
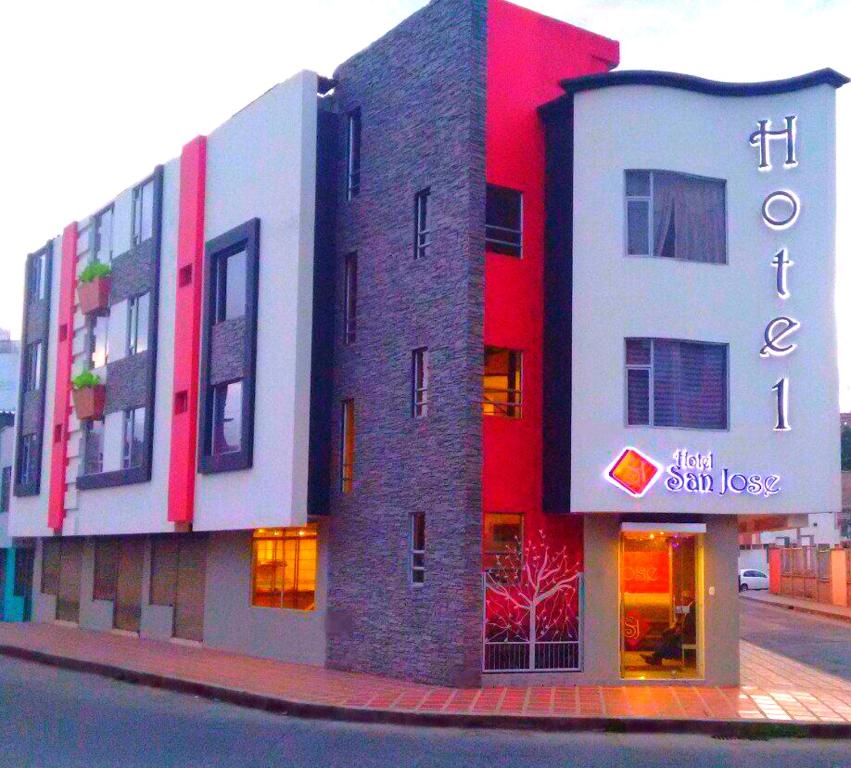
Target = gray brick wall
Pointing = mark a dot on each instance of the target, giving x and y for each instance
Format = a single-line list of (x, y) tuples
[(127, 382), (421, 91)]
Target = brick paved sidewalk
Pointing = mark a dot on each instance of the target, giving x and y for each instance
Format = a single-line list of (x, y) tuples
[(774, 689)]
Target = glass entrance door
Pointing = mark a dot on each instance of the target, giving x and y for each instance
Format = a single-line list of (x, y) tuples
[(660, 575)]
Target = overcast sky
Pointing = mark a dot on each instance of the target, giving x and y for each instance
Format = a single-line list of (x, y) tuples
[(97, 93)]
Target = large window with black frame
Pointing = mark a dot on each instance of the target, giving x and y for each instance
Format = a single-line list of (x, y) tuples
[(227, 399), (422, 225), (353, 153), (504, 221)]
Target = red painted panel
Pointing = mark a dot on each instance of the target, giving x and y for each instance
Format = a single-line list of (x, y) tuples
[(187, 331), (62, 388), (528, 54), (774, 565)]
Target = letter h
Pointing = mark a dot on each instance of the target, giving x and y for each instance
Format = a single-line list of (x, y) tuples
[(761, 138)]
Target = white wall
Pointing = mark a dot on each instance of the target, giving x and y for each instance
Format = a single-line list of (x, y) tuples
[(262, 163), (615, 296)]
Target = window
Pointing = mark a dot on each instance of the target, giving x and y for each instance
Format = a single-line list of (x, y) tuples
[(502, 383), (504, 221), (353, 141), (419, 382), (37, 276), (676, 216), (5, 488), (32, 367), (227, 418), (103, 236), (673, 383), (284, 568), (350, 300), (230, 293), (418, 548), (502, 537), (133, 438), (138, 311), (347, 441), (51, 555), (143, 212), (107, 553), (27, 460), (93, 456), (99, 341), (422, 233)]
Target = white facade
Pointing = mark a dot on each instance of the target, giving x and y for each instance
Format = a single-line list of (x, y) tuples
[(616, 296)]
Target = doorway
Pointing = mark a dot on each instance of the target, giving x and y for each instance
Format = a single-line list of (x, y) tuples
[(660, 610)]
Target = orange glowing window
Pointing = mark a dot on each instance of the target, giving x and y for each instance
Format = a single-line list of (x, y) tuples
[(284, 568)]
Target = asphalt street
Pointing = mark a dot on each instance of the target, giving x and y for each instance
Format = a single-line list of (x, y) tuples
[(51, 717)]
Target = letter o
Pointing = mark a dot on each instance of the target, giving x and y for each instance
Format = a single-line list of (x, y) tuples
[(784, 196)]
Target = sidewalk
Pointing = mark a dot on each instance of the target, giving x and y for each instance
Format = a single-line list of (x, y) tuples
[(778, 696), (799, 604)]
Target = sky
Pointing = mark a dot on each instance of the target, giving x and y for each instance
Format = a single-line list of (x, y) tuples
[(97, 93)]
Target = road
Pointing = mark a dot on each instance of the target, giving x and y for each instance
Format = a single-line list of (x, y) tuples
[(56, 718), (818, 642)]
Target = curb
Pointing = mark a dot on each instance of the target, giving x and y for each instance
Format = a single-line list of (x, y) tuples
[(813, 611), (740, 729)]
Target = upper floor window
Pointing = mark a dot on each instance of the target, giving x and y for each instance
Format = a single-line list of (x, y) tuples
[(103, 236), (672, 383), (138, 310), (133, 438), (99, 340), (347, 444), (284, 568), (230, 294), (350, 299), (502, 537), (37, 276), (93, 447), (676, 216), (227, 418), (353, 145), (422, 232), (502, 383), (419, 382), (28, 448), (32, 366), (5, 488), (143, 212), (418, 536), (504, 221)]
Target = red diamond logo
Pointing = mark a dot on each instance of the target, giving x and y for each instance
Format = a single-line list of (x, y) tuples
[(633, 472)]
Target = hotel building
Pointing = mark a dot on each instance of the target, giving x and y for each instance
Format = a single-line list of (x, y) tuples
[(466, 364)]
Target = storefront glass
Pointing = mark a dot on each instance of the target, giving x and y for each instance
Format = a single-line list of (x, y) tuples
[(660, 574)]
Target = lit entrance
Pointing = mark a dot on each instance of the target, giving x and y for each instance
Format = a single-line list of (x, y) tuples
[(661, 573)]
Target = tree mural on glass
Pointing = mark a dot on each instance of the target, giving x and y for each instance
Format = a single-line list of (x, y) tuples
[(532, 597)]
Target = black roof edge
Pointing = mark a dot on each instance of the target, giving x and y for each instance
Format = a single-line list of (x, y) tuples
[(325, 84), (824, 76)]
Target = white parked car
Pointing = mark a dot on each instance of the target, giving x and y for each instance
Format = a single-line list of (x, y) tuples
[(750, 578)]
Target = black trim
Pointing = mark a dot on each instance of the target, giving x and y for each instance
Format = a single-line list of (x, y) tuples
[(33, 488), (698, 84), (141, 474), (244, 237), (558, 310), (324, 305)]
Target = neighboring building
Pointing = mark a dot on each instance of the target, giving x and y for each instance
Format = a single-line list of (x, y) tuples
[(845, 420), (473, 303), (15, 563)]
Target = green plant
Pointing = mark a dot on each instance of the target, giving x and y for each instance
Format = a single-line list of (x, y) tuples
[(85, 379), (95, 270)]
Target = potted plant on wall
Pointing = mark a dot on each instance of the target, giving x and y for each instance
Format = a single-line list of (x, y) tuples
[(93, 288), (89, 396)]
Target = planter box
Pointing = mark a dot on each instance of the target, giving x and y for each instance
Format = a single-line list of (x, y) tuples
[(89, 402), (94, 296)]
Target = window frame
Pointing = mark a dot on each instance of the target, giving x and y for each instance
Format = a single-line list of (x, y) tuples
[(651, 397), (354, 144), (33, 353), (417, 554), (138, 204), (129, 420), (419, 382), (245, 237), (87, 430), (348, 432), (519, 232), (27, 460), (131, 338), (215, 389), (422, 230), (310, 533), (96, 234), (650, 217), (350, 298), (505, 410)]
